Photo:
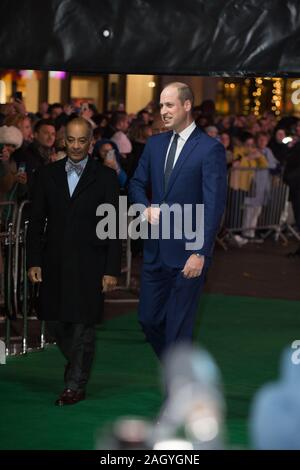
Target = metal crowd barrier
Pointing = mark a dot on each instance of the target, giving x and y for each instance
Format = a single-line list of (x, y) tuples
[(127, 269), (256, 200), (15, 283), (6, 244), (15, 280)]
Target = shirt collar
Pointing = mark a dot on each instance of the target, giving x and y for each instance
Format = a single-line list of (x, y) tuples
[(81, 163), (185, 134)]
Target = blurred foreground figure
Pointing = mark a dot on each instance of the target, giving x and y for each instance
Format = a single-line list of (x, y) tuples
[(192, 417), (194, 408), (275, 415)]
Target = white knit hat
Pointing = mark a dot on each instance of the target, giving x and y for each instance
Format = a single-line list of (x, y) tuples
[(11, 135)]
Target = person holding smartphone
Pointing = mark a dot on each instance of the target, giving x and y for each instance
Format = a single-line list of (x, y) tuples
[(10, 140), (87, 112), (107, 152), (38, 153), (12, 181)]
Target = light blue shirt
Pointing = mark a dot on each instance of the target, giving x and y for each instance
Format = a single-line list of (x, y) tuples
[(73, 178)]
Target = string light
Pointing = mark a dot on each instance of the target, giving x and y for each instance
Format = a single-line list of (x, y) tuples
[(27, 74), (59, 75), (255, 102), (2, 92), (277, 95), (256, 95), (245, 96)]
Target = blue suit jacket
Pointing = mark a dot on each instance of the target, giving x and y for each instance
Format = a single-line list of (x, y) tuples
[(198, 177)]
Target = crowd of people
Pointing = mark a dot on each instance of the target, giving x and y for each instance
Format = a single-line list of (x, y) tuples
[(255, 149), (29, 141)]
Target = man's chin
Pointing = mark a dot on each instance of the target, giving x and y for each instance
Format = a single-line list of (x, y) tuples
[(76, 157), (168, 125)]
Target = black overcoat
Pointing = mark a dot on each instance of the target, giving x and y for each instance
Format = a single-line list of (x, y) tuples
[(73, 259)]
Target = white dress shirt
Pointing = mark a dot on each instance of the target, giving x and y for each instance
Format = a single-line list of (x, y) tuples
[(183, 137)]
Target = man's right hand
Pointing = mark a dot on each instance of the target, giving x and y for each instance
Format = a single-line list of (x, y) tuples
[(152, 215), (35, 274)]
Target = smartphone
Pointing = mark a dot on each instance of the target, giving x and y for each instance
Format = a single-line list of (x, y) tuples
[(287, 140), (84, 107), (110, 155), (18, 95), (22, 167)]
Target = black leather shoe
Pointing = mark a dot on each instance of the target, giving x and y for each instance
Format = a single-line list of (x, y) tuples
[(70, 397)]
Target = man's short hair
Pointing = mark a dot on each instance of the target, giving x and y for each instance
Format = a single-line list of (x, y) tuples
[(55, 105), (184, 92), (262, 134), (43, 122), (81, 121)]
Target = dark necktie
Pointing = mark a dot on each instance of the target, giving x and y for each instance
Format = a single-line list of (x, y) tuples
[(170, 160)]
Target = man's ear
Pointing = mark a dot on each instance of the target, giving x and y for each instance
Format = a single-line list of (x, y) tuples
[(187, 105)]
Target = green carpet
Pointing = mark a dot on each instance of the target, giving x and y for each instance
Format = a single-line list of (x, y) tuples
[(245, 335)]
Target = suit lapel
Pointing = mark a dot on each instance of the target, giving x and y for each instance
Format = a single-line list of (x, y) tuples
[(60, 177), (160, 166), (184, 154)]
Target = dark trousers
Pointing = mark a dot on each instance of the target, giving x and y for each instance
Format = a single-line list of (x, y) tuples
[(168, 305), (76, 341)]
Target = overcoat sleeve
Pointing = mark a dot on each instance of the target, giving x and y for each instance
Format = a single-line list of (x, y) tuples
[(37, 220)]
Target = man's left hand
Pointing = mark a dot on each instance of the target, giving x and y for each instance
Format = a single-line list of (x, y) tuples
[(108, 283), (193, 267)]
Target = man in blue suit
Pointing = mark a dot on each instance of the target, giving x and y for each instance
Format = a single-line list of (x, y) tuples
[(188, 168)]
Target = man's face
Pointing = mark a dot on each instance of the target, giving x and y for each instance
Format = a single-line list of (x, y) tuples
[(298, 129), (45, 136), (124, 124), (78, 141), (226, 123), (7, 150), (225, 140), (280, 135), (213, 133), (262, 141), (250, 144), (26, 129), (175, 115), (146, 118), (55, 112)]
